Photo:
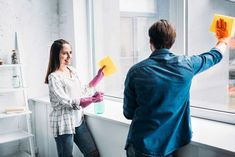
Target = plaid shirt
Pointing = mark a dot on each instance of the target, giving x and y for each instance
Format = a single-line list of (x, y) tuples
[(65, 94)]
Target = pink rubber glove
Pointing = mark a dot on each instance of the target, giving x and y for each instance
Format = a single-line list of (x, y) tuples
[(97, 78), (97, 97), (84, 102)]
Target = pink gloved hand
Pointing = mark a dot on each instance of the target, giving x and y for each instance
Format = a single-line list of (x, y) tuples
[(98, 96), (84, 102), (97, 78)]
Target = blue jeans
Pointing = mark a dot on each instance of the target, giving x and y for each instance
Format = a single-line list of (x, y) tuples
[(82, 138), (131, 152)]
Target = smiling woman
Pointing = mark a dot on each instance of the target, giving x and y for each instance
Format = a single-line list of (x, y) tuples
[(65, 92), (65, 55)]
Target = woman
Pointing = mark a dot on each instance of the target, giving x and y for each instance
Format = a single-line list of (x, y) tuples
[(65, 93)]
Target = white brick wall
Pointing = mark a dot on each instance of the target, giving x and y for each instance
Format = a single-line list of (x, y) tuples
[(36, 22)]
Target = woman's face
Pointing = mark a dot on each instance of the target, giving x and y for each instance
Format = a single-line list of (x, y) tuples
[(65, 55)]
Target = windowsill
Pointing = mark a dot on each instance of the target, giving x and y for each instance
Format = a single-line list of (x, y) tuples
[(206, 133)]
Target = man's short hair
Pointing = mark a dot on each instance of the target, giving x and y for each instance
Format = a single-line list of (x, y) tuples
[(162, 34)]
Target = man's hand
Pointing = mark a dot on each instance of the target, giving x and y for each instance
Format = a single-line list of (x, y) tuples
[(221, 30)]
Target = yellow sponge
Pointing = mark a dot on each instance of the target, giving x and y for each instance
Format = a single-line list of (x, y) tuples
[(110, 68)]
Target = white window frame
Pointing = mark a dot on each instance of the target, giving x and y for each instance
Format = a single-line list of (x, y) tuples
[(206, 113)]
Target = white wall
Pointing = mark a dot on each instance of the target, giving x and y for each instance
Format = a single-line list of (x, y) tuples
[(36, 22), (39, 23), (73, 27)]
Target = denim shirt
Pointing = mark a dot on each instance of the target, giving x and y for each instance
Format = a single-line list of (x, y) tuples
[(156, 99)]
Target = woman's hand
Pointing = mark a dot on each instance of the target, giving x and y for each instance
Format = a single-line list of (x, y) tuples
[(98, 96), (97, 78)]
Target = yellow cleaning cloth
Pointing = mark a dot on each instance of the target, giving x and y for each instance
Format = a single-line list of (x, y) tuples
[(110, 68), (228, 19)]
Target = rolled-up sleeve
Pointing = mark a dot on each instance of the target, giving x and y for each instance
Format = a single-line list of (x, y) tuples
[(205, 60)]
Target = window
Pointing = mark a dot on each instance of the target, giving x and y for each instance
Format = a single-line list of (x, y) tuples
[(210, 90), (120, 30), (134, 41)]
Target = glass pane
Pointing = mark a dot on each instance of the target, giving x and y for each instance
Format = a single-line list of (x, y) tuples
[(122, 33), (143, 46), (107, 41), (148, 6), (210, 89), (127, 47)]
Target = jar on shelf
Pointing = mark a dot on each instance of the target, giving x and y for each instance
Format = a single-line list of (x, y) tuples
[(15, 81)]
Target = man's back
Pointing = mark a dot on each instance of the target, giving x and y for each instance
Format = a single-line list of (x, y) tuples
[(157, 100), (156, 94)]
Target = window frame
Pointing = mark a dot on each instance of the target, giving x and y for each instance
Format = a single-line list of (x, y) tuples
[(196, 111)]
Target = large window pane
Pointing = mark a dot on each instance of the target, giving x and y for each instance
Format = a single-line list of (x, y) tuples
[(210, 89), (143, 6), (106, 16), (121, 31)]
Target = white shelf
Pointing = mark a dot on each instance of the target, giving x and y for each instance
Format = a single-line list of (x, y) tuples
[(10, 65), (19, 154), (7, 90), (14, 75), (6, 115), (14, 136)]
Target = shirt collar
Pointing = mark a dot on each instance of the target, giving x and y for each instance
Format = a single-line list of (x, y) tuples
[(160, 52)]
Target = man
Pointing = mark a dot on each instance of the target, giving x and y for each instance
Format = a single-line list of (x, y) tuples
[(156, 95)]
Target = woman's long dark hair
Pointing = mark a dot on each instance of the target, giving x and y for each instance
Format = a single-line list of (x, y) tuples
[(54, 60)]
